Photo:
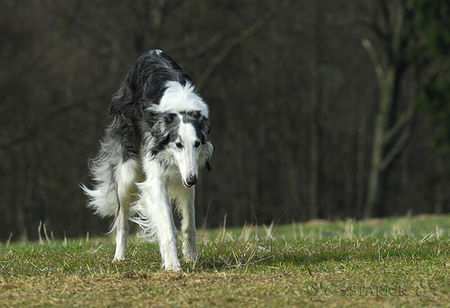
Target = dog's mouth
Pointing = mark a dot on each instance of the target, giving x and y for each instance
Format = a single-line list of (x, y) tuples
[(187, 185)]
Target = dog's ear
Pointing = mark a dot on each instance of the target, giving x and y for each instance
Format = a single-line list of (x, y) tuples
[(169, 117), (164, 124), (201, 121), (150, 117), (207, 126), (196, 114), (203, 125)]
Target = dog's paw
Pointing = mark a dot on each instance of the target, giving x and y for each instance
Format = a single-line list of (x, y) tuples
[(172, 268), (118, 260), (190, 257), (190, 252)]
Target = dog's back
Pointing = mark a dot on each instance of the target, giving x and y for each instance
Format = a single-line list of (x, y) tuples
[(145, 83), (143, 87)]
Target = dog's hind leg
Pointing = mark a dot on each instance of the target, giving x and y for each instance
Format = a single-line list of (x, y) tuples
[(121, 225), (126, 174)]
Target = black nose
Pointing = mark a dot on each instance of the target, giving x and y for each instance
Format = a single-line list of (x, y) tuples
[(191, 180)]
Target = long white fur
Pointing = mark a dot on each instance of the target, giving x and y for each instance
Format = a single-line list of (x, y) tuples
[(178, 98), (116, 194), (153, 209), (103, 199)]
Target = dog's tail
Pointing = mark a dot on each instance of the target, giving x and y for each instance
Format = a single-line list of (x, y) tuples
[(103, 196)]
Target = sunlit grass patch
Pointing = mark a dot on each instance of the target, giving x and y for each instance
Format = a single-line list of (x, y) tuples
[(395, 261)]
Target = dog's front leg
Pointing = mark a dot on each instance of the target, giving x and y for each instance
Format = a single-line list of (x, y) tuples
[(188, 231), (155, 197)]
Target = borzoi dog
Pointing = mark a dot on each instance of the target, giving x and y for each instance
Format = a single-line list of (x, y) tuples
[(150, 156)]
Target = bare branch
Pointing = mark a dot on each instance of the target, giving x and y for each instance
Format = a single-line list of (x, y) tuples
[(404, 119), (385, 14), (397, 148), (367, 44), (203, 49), (34, 130), (372, 26), (397, 19), (234, 43)]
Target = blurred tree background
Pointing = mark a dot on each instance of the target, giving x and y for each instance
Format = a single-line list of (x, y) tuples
[(319, 109)]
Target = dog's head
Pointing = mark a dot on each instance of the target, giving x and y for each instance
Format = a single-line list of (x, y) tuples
[(182, 136)]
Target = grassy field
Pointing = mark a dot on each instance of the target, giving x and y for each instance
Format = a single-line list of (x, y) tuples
[(397, 262)]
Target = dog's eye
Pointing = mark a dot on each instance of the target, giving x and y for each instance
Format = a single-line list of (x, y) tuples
[(197, 144), (179, 145)]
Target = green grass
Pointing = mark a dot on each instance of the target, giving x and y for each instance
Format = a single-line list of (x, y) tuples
[(401, 261)]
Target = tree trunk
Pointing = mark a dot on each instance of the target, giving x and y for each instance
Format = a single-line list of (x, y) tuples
[(17, 199), (381, 123), (316, 96), (391, 130)]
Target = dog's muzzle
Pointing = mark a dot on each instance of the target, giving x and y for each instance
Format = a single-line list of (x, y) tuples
[(191, 181)]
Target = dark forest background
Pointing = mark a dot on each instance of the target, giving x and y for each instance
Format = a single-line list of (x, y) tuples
[(319, 108)]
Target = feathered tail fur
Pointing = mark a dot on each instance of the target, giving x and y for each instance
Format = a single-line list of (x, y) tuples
[(103, 196)]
